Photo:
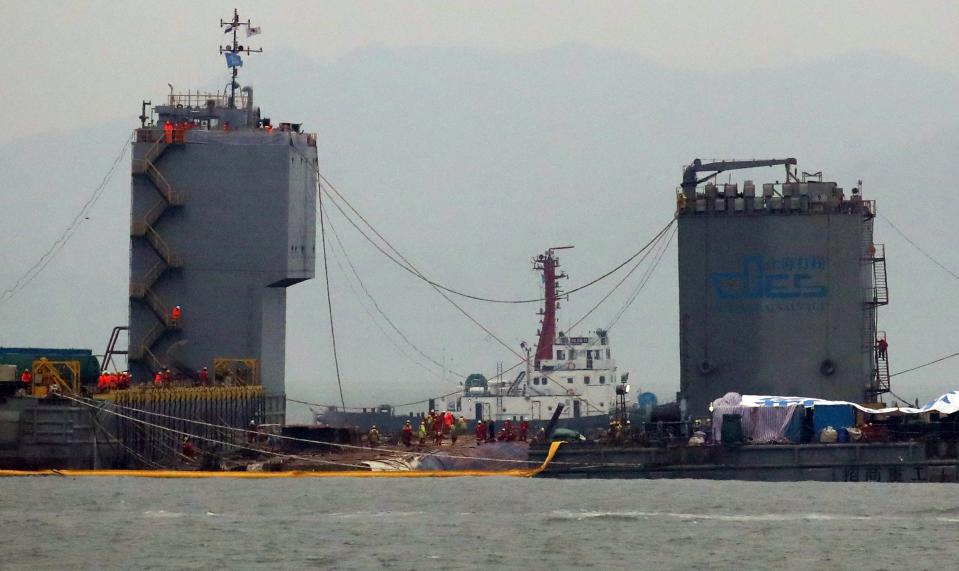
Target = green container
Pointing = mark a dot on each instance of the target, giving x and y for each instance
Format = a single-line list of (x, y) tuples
[(732, 429), (23, 357)]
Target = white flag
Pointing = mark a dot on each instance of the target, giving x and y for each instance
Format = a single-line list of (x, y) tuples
[(252, 31)]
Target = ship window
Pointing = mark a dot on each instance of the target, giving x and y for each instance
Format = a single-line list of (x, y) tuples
[(585, 380), (569, 380), (607, 353), (560, 354), (572, 354), (602, 380)]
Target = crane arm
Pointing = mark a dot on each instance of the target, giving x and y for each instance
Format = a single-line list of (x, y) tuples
[(689, 173)]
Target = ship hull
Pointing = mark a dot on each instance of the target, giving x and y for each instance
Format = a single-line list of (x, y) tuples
[(870, 462)]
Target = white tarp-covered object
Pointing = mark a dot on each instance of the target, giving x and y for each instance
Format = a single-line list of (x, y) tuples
[(945, 404)]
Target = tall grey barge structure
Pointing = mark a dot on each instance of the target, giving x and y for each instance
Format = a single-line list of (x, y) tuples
[(778, 289), (223, 221)]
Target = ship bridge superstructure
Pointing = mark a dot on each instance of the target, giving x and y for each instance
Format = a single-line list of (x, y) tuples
[(576, 373)]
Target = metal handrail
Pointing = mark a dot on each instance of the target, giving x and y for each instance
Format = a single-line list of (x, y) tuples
[(160, 182), (139, 288), (200, 99), (156, 304), (161, 247), (155, 211), (154, 361)]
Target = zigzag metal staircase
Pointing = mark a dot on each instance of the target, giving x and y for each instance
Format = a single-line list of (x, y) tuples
[(144, 227), (876, 296)]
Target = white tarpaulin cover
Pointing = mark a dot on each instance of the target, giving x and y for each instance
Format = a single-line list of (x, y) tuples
[(765, 400), (946, 404), (761, 425)]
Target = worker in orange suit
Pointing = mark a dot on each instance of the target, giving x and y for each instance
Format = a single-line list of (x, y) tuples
[(175, 315), (168, 132)]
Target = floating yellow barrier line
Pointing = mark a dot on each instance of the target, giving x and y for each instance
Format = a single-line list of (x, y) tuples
[(516, 473)]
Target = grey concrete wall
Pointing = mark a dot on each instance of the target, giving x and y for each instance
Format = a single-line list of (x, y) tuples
[(245, 232), (765, 299)]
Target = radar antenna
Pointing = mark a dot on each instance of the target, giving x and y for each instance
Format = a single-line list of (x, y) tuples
[(234, 50)]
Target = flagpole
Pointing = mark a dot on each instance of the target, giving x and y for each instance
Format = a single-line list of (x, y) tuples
[(235, 49), (236, 24)]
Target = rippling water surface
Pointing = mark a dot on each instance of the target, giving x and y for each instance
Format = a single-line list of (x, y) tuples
[(474, 523)]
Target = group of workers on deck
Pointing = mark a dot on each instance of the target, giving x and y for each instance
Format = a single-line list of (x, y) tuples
[(437, 426), (118, 380), (121, 380), (175, 132), (165, 378), (486, 431)]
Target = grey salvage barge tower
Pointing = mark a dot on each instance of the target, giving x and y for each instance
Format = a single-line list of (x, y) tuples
[(223, 221), (779, 288)]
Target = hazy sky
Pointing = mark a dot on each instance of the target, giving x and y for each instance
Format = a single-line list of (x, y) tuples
[(71, 63), (74, 74)]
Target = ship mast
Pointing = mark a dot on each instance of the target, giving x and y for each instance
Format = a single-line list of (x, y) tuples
[(233, 50), (548, 263)]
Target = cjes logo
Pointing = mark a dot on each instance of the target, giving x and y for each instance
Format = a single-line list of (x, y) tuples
[(787, 277)]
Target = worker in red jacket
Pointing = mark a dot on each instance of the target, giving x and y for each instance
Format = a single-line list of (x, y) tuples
[(523, 429), (26, 377), (407, 434), (204, 376), (158, 379), (480, 431), (189, 450), (507, 431), (438, 430)]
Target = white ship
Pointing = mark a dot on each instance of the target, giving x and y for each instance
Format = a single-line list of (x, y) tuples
[(577, 372)]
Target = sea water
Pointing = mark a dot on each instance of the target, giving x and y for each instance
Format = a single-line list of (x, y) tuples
[(474, 523)]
